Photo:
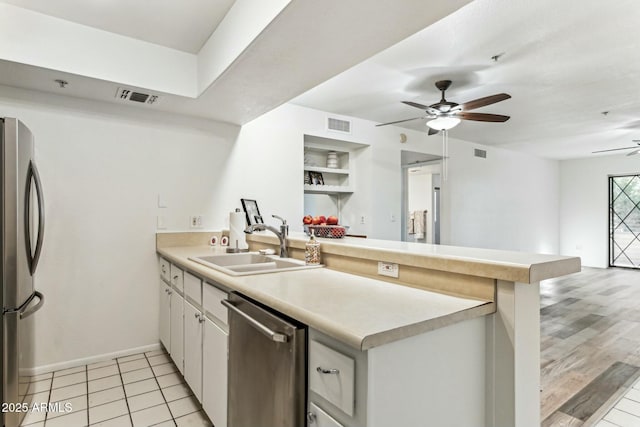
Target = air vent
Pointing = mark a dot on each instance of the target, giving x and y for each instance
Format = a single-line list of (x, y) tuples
[(137, 97), (480, 153), (337, 125)]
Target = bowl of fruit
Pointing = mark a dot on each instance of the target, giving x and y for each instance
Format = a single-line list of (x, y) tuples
[(322, 226)]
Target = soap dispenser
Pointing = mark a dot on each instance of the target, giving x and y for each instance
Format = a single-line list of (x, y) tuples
[(312, 251)]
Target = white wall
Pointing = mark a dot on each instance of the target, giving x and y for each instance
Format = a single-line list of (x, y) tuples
[(509, 200), (584, 216), (101, 175), (103, 167)]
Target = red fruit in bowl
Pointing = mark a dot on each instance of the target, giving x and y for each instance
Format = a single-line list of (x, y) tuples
[(308, 219), (332, 220), (323, 219), (316, 220)]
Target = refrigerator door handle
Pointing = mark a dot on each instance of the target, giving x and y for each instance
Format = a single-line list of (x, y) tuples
[(33, 256), (24, 313)]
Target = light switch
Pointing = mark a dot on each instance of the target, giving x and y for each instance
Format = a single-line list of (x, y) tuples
[(162, 201)]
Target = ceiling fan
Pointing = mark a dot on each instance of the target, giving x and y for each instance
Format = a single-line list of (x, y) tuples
[(445, 114), (635, 148)]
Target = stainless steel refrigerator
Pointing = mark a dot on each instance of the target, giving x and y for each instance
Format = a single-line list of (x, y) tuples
[(22, 209)]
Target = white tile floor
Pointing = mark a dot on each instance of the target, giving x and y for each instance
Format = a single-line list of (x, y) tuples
[(626, 412), (140, 390)]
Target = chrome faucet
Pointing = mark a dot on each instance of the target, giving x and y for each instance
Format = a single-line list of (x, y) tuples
[(282, 233)]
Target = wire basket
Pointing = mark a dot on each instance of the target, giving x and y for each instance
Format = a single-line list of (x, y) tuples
[(327, 231)]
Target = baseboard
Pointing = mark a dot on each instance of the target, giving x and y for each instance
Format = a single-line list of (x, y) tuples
[(89, 360)]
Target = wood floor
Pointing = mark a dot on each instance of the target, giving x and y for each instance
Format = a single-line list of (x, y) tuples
[(590, 343)]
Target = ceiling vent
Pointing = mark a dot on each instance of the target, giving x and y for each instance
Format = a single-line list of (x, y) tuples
[(337, 125), (480, 153), (137, 97)]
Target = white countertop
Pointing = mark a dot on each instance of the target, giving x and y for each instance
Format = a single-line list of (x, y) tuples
[(499, 264), (360, 312)]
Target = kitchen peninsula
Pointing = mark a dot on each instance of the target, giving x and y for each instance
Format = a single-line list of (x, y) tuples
[(454, 339)]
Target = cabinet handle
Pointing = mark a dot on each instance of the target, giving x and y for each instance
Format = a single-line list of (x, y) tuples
[(311, 417), (175, 278), (169, 291), (327, 371), (164, 270), (197, 316), (201, 319)]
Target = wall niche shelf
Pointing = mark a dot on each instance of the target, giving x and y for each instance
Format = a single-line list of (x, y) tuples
[(338, 180), (326, 189)]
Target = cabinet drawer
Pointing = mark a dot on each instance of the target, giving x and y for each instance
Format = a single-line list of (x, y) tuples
[(177, 278), (193, 288), (165, 270), (211, 302), (332, 376), (318, 418)]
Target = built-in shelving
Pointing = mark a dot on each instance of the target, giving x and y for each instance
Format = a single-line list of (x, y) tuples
[(326, 189)]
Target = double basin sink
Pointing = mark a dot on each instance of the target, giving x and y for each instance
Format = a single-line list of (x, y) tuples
[(244, 264)]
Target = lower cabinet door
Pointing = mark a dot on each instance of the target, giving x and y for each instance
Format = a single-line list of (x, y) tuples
[(214, 373), (193, 327), (318, 418), (177, 331), (165, 315)]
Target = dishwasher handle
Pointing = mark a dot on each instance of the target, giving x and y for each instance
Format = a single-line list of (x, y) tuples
[(274, 336)]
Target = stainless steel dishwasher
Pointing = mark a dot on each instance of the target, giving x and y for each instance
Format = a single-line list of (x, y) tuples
[(267, 366)]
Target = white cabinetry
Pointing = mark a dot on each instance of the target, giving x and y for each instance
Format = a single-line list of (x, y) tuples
[(319, 418), (214, 370), (177, 331), (193, 326), (193, 329), (337, 377), (165, 315), (215, 355)]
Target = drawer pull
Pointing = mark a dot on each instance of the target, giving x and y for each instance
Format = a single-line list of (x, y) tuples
[(175, 277), (327, 371), (164, 270)]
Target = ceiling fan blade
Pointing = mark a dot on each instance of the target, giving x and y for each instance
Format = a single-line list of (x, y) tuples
[(482, 117), (487, 100), (433, 131), (401, 121), (416, 105), (614, 149)]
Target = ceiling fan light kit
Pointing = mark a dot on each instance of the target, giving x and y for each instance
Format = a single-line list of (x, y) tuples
[(446, 115), (443, 123)]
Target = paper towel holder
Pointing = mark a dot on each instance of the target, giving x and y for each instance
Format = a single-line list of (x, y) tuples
[(236, 249)]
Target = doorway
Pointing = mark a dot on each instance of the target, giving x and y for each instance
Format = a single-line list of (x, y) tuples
[(421, 189), (624, 221)]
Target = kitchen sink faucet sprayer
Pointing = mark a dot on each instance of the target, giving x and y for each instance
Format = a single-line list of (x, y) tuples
[(282, 234)]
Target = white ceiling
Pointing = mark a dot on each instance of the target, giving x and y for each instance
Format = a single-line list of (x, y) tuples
[(183, 25), (564, 63), (301, 45)]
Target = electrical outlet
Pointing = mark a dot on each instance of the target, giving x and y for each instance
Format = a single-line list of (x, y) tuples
[(388, 269), (362, 219), (199, 221), (161, 223)]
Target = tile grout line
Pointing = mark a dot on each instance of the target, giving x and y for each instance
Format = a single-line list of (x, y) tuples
[(46, 414), (161, 392), (126, 400)]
